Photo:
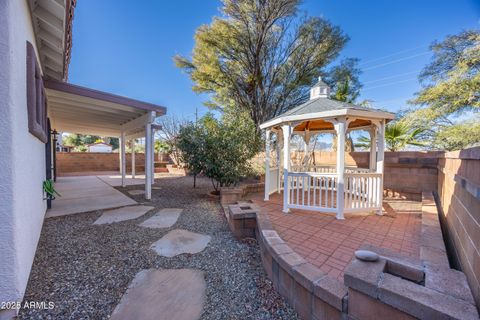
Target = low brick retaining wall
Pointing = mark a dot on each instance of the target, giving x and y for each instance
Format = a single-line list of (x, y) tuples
[(394, 287)]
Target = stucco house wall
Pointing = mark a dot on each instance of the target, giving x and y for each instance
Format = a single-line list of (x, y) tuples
[(22, 207)]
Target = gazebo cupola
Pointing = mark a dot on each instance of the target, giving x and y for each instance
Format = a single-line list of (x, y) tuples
[(326, 188), (319, 90)]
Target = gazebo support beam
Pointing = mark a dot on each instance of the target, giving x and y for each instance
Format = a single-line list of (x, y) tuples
[(340, 128), (279, 159), (380, 162), (373, 148), (267, 165), (287, 132)]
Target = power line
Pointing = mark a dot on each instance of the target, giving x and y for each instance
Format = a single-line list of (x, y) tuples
[(392, 77), (397, 60), (391, 55), (389, 84), (391, 100)]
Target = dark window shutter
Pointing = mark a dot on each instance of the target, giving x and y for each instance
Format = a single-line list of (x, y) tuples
[(36, 100)]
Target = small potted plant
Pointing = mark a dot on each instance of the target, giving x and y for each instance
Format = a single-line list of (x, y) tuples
[(50, 192)]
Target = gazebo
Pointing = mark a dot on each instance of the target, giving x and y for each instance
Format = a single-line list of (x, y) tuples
[(333, 189)]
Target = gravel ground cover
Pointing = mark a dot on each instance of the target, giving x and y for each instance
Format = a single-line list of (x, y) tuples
[(85, 269)]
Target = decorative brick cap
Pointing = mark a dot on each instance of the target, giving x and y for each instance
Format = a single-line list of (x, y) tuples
[(243, 210), (407, 285)]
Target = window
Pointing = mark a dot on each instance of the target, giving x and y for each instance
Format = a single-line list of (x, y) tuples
[(36, 100)]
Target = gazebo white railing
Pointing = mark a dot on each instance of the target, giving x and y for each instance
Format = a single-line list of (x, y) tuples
[(326, 188)]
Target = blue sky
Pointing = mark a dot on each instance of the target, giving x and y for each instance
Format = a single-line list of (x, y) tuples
[(126, 47)]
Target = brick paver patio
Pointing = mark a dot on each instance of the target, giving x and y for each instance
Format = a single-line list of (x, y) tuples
[(330, 244)]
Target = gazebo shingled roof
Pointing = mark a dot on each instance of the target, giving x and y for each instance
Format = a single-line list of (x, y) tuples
[(312, 110)]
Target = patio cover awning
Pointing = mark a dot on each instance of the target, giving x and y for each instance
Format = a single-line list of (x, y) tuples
[(77, 109)]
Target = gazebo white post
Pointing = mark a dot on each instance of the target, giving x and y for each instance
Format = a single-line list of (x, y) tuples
[(148, 161), (132, 144), (123, 162), (380, 160), (373, 148), (340, 128), (279, 160), (306, 141), (267, 165), (287, 131)]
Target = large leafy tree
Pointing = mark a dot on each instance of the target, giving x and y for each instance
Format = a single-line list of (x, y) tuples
[(260, 57), (452, 79), (450, 98)]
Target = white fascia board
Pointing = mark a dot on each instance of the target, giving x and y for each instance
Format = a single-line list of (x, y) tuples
[(139, 122), (329, 114)]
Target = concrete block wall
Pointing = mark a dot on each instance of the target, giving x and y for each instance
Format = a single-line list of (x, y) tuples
[(68, 162), (459, 195)]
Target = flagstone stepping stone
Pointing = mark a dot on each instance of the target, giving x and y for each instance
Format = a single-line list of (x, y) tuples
[(164, 218), (136, 192), (180, 241), (122, 214), (163, 295)]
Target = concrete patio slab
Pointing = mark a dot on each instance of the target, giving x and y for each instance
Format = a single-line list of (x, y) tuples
[(84, 194), (163, 294), (180, 241), (122, 214), (164, 218), (115, 180)]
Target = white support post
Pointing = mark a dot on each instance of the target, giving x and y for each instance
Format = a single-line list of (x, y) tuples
[(340, 128), (153, 157), (279, 160), (380, 162), (132, 144), (267, 165), (120, 154), (148, 161), (287, 132), (373, 148), (123, 162)]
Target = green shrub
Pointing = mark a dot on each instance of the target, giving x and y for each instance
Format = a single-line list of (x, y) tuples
[(220, 149)]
